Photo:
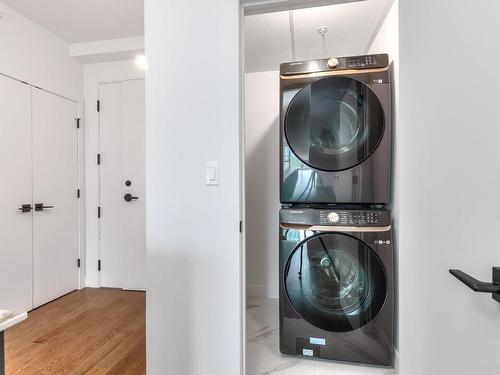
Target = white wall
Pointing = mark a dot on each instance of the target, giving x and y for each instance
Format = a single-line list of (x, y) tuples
[(94, 74), (449, 185), (262, 183), (30, 53), (194, 298), (386, 40)]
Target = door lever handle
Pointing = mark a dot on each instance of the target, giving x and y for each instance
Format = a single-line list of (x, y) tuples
[(481, 286), (25, 208), (128, 197), (41, 206)]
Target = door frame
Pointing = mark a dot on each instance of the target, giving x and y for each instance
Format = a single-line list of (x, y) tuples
[(248, 8)]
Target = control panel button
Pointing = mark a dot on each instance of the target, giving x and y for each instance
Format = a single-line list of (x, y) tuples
[(333, 217), (333, 62)]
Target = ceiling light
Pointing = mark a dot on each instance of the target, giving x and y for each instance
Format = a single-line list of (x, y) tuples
[(142, 62)]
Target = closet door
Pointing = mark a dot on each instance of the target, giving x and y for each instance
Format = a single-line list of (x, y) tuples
[(15, 190), (55, 166)]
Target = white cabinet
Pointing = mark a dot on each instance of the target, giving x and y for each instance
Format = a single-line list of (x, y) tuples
[(39, 167)]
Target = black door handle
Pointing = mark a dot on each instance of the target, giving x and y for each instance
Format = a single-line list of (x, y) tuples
[(25, 208), (128, 197), (481, 286), (42, 206)]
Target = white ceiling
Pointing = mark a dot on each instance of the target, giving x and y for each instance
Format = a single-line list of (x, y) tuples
[(273, 38), (85, 20)]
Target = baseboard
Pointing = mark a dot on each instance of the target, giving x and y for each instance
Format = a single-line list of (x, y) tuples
[(260, 291)]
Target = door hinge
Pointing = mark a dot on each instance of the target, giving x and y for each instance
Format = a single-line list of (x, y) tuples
[(98, 159), (78, 123), (78, 193), (99, 212), (78, 262), (98, 106), (241, 226), (99, 265)]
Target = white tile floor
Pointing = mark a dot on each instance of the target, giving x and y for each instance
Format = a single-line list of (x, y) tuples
[(263, 355)]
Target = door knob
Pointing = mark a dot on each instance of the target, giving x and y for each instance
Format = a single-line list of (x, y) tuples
[(128, 197)]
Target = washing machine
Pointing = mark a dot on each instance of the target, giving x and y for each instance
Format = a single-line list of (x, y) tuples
[(335, 117), (336, 285)]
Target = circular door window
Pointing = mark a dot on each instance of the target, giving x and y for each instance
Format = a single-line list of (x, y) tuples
[(334, 123), (335, 282)]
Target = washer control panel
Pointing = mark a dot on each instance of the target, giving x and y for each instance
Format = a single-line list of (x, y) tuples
[(349, 217), (335, 217)]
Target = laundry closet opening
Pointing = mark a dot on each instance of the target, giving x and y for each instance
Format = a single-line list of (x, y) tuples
[(319, 124)]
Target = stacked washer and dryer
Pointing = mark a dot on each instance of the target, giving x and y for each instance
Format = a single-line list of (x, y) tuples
[(336, 256)]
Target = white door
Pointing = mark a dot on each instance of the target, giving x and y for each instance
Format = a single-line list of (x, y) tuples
[(55, 176), (123, 219), (15, 190)]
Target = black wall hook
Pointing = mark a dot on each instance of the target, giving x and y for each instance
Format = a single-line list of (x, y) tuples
[(481, 286)]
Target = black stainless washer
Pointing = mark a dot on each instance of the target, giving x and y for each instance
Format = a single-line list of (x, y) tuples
[(336, 284)]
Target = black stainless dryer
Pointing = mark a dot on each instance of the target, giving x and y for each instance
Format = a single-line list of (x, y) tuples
[(335, 117), (336, 285)]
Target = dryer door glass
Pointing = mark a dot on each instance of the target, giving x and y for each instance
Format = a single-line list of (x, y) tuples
[(335, 282), (334, 123)]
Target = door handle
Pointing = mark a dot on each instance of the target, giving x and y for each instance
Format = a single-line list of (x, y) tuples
[(41, 206), (481, 286), (128, 197), (25, 208)]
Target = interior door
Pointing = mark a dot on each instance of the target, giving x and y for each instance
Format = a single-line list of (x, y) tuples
[(15, 190), (55, 178), (122, 192)]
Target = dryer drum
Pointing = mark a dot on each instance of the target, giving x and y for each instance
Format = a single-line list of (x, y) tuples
[(335, 282)]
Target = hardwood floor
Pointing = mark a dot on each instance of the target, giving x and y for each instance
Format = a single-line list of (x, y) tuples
[(91, 331)]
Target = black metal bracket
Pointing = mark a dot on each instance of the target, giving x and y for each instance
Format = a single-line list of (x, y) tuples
[(481, 286)]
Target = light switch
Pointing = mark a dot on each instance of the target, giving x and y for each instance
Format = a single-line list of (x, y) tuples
[(212, 172)]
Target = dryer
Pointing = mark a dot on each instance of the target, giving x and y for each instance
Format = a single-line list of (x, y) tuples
[(335, 121), (336, 285)]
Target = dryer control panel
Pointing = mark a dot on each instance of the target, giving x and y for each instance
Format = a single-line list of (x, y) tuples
[(335, 217), (338, 63)]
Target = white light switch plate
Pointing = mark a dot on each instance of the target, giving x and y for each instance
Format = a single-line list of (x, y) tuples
[(212, 173)]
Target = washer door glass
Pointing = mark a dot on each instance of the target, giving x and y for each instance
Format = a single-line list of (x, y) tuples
[(335, 282), (334, 123)]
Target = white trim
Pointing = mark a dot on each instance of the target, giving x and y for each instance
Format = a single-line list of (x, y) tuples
[(253, 7), (381, 21), (396, 361)]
